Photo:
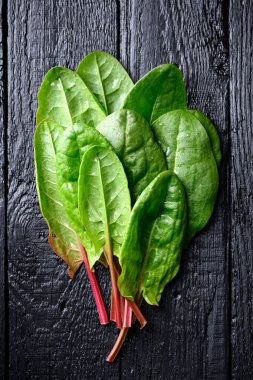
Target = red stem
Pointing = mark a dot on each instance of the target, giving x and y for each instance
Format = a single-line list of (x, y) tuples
[(112, 309), (95, 288), (123, 332), (127, 321), (118, 344), (122, 307), (109, 257), (135, 308)]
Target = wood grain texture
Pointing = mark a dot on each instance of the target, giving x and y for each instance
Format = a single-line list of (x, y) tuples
[(241, 111), (2, 197), (54, 328), (187, 337)]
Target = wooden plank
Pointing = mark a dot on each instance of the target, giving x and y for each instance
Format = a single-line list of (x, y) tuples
[(3, 82), (54, 328), (241, 112), (187, 336)]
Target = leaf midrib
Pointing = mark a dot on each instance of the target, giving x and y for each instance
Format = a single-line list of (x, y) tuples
[(66, 100), (102, 85), (157, 95), (107, 232), (176, 147), (147, 252)]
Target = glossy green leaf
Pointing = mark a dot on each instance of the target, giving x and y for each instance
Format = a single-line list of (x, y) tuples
[(65, 98), (158, 92), (74, 142), (150, 254), (65, 243), (212, 134), (189, 154), (103, 198), (107, 79), (133, 140)]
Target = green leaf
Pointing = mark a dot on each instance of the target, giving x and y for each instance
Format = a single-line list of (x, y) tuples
[(103, 198), (133, 140), (65, 98), (74, 142), (189, 154), (158, 92), (65, 243), (150, 254), (212, 134), (106, 78)]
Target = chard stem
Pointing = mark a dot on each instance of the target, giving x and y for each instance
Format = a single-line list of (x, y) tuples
[(134, 305), (109, 257), (127, 321), (118, 344), (122, 307), (112, 309), (95, 288)]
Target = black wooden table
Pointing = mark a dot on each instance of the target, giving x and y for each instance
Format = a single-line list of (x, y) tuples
[(48, 324)]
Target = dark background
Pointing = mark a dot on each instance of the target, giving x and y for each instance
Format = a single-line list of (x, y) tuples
[(48, 324)]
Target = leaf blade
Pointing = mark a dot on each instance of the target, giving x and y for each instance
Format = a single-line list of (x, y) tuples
[(103, 198), (64, 98), (133, 141), (212, 134), (161, 90), (46, 136), (152, 246), (74, 142), (189, 154), (107, 79)]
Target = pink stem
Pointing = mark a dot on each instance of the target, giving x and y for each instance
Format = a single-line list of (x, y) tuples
[(112, 308), (122, 306), (117, 346), (127, 320), (115, 291), (123, 332), (134, 306), (95, 288)]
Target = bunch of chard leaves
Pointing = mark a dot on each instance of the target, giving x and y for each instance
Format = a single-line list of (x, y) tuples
[(126, 175)]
